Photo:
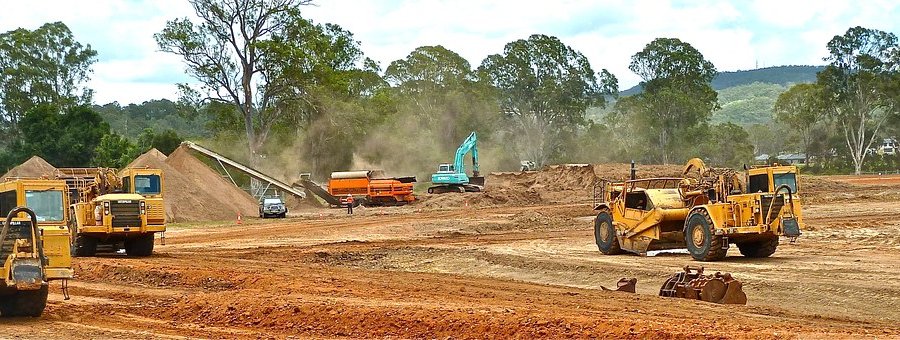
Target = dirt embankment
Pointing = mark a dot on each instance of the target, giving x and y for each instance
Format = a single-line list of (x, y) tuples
[(827, 189), (566, 183)]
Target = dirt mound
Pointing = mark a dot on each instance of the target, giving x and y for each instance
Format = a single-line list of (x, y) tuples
[(198, 193), (824, 189), (193, 192), (33, 167), (573, 182), (152, 156)]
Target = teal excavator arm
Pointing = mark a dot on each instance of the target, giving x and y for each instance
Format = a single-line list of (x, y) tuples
[(470, 144)]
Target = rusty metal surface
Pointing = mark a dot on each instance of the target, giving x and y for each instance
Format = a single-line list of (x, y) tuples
[(691, 283), (624, 284)]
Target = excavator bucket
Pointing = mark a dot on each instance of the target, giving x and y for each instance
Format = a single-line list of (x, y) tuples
[(625, 284), (476, 180), (692, 284)]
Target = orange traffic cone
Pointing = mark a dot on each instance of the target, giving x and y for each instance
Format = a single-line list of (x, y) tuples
[(239, 219)]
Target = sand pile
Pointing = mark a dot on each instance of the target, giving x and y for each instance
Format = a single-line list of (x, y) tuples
[(193, 191), (33, 167)]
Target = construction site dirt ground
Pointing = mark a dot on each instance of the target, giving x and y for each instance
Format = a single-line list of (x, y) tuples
[(473, 272)]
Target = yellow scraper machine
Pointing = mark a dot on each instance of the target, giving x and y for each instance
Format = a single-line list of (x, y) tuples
[(704, 211), (115, 210)]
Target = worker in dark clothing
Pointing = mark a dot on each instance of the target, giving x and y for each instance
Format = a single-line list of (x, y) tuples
[(349, 201)]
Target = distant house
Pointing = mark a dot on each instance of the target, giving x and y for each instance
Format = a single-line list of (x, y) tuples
[(888, 146), (791, 158), (783, 158)]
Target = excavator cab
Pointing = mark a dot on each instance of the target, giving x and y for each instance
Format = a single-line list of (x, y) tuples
[(446, 169)]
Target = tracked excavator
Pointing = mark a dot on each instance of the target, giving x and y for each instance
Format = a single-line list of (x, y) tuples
[(453, 177), (705, 211)]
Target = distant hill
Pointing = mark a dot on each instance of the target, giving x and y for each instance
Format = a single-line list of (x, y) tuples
[(780, 75), (747, 104)]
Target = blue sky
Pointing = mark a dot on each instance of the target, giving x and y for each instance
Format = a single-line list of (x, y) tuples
[(734, 35)]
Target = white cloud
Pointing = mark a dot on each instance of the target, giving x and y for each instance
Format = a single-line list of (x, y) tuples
[(733, 35)]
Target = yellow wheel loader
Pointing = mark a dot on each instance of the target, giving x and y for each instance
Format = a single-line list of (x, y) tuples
[(704, 211), (24, 283)]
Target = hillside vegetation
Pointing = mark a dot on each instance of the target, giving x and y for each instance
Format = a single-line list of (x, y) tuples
[(747, 97)]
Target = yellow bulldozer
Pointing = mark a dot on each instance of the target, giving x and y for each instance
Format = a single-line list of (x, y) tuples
[(34, 244), (705, 211), (115, 209)]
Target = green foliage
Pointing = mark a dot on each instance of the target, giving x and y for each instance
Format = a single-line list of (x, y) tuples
[(801, 107), (224, 52), (162, 114), (66, 139), (590, 145), (677, 98), (165, 142), (776, 75), (46, 66), (114, 151), (779, 75), (859, 86), (747, 104), (726, 144), (434, 104), (544, 89)]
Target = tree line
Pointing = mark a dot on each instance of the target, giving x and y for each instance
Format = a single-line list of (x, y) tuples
[(280, 91)]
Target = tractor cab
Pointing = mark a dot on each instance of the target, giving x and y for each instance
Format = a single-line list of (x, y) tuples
[(446, 169), (768, 178)]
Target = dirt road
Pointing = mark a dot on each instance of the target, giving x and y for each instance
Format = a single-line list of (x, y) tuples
[(470, 273)]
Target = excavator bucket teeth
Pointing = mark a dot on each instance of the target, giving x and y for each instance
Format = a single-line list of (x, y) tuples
[(712, 291), (734, 294), (625, 284)]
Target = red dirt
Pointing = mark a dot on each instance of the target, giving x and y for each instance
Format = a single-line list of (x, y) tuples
[(489, 270)]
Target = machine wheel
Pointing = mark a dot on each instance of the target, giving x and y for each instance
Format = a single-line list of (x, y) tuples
[(605, 234), (139, 246), (7, 302), (701, 239), (759, 249), (85, 246), (29, 302)]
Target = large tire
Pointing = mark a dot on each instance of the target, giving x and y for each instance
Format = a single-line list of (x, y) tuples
[(701, 239), (139, 246), (7, 302), (759, 249), (605, 234), (30, 302), (85, 246)]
